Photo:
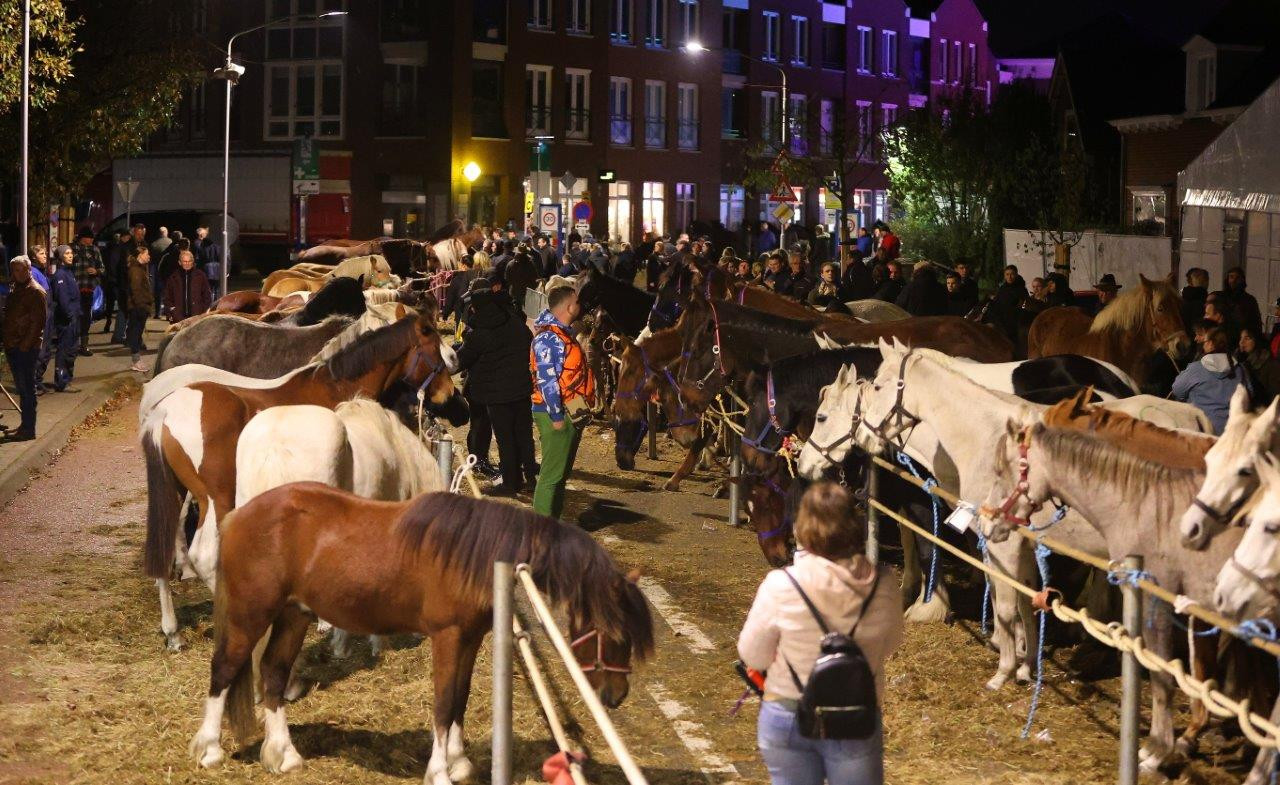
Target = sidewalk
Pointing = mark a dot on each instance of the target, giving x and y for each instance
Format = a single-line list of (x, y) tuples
[(58, 413)]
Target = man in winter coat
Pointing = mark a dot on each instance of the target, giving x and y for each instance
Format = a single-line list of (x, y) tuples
[(893, 285), (209, 260), (924, 296), (766, 241), (1209, 383), (24, 316), (62, 330), (1245, 310), (855, 280), (966, 286), (775, 277), (1194, 295), (186, 291), (88, 271), (546, 256), (494, 357), (561, 377), (654, 264)]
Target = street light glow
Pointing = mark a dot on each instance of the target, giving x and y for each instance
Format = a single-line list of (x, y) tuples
[(693, 47), (327, 14), (471, 171)]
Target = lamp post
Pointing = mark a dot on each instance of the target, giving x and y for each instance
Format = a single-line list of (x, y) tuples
[(24, 213), (232, 72), (694, 47)]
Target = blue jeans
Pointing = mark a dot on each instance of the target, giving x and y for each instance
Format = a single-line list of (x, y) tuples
[(214, 271), (22, 364), (794, 760)]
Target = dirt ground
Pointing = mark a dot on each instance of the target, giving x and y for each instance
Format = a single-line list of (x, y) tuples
[(88, 694)]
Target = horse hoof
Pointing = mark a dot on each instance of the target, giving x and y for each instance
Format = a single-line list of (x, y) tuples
[(323, 627), (173, 641), (207, 752), (1184, 747), (671, 485), (461, 769), (997, 681), (437, 778), (298, 689), (1023, 676), (279, 758), (927, 612)]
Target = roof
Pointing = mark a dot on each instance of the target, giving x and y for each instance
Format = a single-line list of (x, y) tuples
[(1239, 169)]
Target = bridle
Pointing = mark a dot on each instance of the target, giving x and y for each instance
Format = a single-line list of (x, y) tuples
[(1020, 491), (782, 528), (771, 424), (685, 418), (718, 365), (825, 450), (419, 357), (600, 664), (896, 427), (1220, 517), (1269, 585)]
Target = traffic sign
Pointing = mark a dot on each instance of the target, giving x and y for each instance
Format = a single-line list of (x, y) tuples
[(583, 213), (127, 188), (549, 218), (783, 193), (567, 180), (306, 159), (528, 202), (306, 187), (783, 212)]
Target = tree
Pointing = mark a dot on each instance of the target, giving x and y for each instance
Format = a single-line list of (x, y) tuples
[(123, 82), (52, 43)]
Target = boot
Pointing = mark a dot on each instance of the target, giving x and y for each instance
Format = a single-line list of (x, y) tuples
[(486, 469)]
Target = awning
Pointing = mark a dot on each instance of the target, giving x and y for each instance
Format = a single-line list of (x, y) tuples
[(1239, 170)]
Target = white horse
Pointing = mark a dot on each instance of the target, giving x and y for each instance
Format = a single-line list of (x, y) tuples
[(450, 253)]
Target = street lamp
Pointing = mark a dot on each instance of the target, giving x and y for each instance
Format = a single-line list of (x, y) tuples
[(696, 47), (232, 72), (471, 171), (24, 213)]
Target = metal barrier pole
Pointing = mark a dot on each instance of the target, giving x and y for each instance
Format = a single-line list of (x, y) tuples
[(503, 596), (873, 515), (444, 456), (651, 412), (1130, 678), (735, 489)]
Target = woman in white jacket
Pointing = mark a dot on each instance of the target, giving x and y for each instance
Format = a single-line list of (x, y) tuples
[(842, 583)]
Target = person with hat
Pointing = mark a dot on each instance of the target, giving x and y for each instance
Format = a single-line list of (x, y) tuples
[(24, 317), (87, 269), (1107, 289)]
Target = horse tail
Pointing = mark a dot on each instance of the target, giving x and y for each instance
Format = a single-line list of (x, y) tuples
[(163, 499), (159, 366), (240, 698)]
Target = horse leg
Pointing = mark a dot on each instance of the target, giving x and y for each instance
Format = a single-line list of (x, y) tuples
[(287, 635), (203, 554), (230, 687), (1204, 658), (1003, 556), (168, 617), (460, 767), (1159, 745), (686, 466), (189, 515), (446, 646), (912, 577), (927, 608), (1027, 630), (1264, 764)]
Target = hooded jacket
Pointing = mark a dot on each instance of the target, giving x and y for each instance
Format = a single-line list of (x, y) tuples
[(559, 367), (24, 316), (1208, 384), (780, 628), (493, 353)]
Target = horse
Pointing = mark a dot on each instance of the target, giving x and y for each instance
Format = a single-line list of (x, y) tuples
[(1138, 322), (372, 270), (357, 446), (423, 566), (1134, 504), (1231, 478), (451, 242), (191, 418), (626, 306)]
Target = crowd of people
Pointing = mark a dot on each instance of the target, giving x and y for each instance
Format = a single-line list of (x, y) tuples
[(54, 298)]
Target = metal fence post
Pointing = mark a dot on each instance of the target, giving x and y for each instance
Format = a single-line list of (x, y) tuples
[(503, 582), (735, 489), (651, 412), (1130, 683), (873, 515), (444, 456)]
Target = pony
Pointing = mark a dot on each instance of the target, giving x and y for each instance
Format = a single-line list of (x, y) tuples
[(424, 566), (1140, 321), (191, 418), (1133, 503)]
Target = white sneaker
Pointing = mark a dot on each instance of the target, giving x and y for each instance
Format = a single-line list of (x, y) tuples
[(139, 367)]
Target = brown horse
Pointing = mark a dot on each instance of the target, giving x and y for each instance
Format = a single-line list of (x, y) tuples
[(192, 415), (1139, 323), (423, 566)]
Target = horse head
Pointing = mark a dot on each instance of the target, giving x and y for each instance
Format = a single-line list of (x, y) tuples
[(767, 502), (605, 647), (1248, 584), (1019, 488), (1164, 314), (834, 425), (1230, 478)]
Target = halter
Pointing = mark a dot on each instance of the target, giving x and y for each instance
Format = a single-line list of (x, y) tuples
[(825, 449), (782, 528), (1269, 585), (772, 424), (1021, 490), (1222, 517), (599, 664), (419, 358), (903, 421), (715, 350), (638, 394)]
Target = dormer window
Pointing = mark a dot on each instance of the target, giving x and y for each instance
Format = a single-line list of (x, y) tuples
[(1204, 81)]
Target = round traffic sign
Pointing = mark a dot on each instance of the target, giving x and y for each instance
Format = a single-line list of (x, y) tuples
[(582, 212), (549, 219)]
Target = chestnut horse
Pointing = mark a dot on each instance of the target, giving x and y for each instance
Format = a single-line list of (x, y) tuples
[(423, 566), (191, 418), (1126, 333)]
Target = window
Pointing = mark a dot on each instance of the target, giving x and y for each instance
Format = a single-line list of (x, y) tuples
[(772, 36), (888, 115), (863, 205), (826, 126), (973, 64), (403, 100), (540, 14), (733, 202), (489, 21), (833, 47), (799, 40), (579, 16), (537, 80), (690, 23), (798, 120), (652, 208), (686, 205), (620, 210), (956, 65), (734, 40), (687, 116), (865, 52), (769, 117), (656, 27), (486, 100), (942, 61), (304, 96), (621, 13), (866, 125), (577, 103), (733, 113), (655, 114), (1206, 79), (620, 110), (1150, 210), (889, 52)]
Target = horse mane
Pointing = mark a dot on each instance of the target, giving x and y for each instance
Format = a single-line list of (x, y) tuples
[(340, 295), (411, 452), (740, 316), (466, 536), (1128, 311), (662, 340), (373, 348), (1098, 458), (375, 317)]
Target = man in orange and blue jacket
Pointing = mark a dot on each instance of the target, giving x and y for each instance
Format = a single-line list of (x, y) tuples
[(560, 377)]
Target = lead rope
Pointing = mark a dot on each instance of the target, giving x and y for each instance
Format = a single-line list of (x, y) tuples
[(929, 484), (1042, 564), (463, 471), (986, 588)]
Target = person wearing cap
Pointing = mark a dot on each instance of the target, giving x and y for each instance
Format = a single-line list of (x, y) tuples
[(62, 328), (1244, 306), (24, 317), (1107, 289), (87, 268)]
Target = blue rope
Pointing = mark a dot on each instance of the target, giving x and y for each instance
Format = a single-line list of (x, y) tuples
[(1122, 576), (1059, 513), (929, 485), (1042, 564), (986, 589)]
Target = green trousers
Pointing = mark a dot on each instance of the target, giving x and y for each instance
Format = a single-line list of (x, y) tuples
[(559, 448)]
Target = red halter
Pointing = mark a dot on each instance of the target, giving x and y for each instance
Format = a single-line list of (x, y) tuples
[(1020, 490), (599, 664)]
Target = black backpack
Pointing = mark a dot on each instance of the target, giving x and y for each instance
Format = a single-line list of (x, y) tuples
[(839, 702)]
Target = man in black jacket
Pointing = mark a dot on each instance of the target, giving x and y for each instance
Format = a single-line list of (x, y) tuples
[(924, 296), (1194, 295), (495, 356)]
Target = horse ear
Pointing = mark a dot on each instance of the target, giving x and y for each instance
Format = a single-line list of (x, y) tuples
[(899, 345), (1146, 282), (360, 280), (400, 311), (1240, 402), (1079, 403), (1012, 428), (886, 349), (1170, 279)]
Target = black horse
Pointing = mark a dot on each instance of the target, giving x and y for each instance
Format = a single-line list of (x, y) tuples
[(627, 307)]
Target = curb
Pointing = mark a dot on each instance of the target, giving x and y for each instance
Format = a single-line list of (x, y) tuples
[(17, 475)]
